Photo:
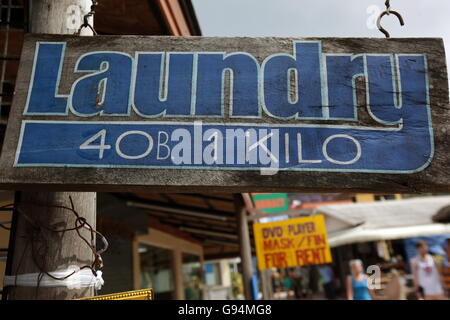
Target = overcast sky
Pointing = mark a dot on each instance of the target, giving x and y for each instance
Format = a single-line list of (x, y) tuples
[(322, 18)]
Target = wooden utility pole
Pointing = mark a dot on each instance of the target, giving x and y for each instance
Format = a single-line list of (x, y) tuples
[(264, 276), (245, 246), (55, 251)]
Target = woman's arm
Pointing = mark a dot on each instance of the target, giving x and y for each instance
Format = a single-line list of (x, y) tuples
[(369, 287), (372, 293), (349, 288), (414, 272), (440, 269)]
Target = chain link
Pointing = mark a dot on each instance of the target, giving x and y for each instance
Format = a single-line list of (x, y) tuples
[(86, 17)]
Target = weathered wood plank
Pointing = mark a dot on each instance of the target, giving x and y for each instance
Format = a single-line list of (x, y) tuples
[(386, 131)]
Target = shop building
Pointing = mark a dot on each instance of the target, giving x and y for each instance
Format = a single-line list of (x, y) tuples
[(383, 234)]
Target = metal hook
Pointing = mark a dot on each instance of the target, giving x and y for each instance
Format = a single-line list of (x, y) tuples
[(388, 12)]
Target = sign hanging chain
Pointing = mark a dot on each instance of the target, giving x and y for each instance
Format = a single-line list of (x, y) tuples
[(388, 5), (86, 17), (388, 11)]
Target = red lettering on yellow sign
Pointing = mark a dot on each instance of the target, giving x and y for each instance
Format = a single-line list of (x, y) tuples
[(300, 228), (275, 260), (310, 256), (277, 244), (292, 242)]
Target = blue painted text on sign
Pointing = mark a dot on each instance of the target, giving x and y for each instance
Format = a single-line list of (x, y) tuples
[(307, 85)]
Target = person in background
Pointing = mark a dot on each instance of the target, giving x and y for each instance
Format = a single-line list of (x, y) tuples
[(396, 287), (428, 279), (304, 272), (193, 290), (357, 284), (288, 283), (326, 272), (297, 283), (276, 284), (314, 277)]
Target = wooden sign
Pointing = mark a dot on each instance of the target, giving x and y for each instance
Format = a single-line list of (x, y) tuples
[(128, 113), (292, 242)]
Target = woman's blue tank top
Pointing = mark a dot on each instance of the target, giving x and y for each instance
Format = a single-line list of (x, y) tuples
[(360, 289)]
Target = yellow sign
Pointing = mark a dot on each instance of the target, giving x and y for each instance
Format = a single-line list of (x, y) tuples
[(292, 242), (145, 294)]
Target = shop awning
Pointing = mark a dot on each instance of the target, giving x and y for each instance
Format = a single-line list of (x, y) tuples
[(383, 220)]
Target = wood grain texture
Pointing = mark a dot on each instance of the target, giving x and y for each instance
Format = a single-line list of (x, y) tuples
[(52, 250), (435, 178)]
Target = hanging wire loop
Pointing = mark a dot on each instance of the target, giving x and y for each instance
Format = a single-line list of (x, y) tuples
[(86, 17), (387, 12)]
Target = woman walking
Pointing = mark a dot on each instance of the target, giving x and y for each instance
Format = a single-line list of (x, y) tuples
[(428, 279), (357, 283)]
